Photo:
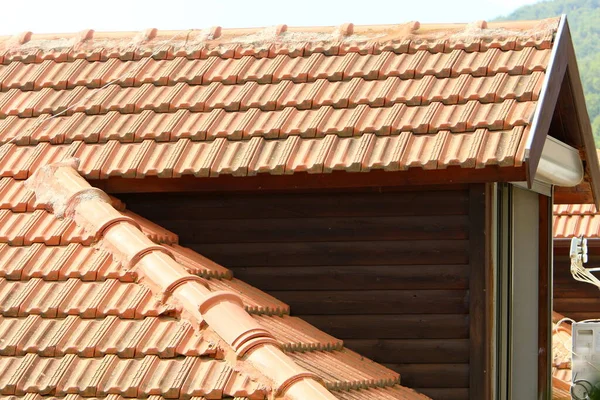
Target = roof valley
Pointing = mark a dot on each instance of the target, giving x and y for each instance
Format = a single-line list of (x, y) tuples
[(222, 310)]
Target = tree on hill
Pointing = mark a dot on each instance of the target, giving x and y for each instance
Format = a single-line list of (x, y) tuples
[(584, 21)]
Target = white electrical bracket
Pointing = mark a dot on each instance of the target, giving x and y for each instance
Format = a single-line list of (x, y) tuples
[(579, 248), (579, 256)]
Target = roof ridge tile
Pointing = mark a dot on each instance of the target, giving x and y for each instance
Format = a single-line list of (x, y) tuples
[(158, 270)]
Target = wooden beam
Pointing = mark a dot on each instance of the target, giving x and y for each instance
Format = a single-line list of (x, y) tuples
[(591, 156), (574, 198), (547, 101), (303, 181), (580, 194), (480, 343)]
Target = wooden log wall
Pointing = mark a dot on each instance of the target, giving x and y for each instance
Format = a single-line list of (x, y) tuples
[(572, 298), (386, 271)]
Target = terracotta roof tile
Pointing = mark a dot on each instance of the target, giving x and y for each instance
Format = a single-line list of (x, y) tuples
[(112, 375), (576, 220), (344, 369), (49, 337), (242, 158), (72, 396), (82, 320), (255, 301), (235, 90), (76, 313), (59, 263), (295, 334), (561, 358), (397, 392), (76, 297)]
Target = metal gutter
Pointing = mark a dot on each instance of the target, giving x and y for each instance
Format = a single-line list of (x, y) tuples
[(559, 164)]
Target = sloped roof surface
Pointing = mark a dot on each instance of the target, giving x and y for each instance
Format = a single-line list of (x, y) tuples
[(576, 220), (273, 101), (79, 320), (76, 320)]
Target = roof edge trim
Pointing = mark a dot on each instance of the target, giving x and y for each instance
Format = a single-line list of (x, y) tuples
[(585, 126), (540, 125)]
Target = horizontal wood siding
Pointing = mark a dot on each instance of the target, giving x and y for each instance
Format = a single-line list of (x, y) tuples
[(387, 272), (572, 298)]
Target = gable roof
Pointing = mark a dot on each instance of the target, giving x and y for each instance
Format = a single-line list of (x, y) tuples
[(95, 302), (283, 100), (572, 220), (201, 104)]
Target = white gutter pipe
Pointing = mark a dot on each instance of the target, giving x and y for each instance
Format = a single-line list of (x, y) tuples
[(560, 164)]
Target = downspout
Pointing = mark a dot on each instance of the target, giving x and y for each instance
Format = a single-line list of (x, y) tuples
[(60, 186)]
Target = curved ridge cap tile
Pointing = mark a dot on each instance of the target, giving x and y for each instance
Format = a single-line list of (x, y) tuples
[(481, 24), (22, 38), (221, 310), (83, 36), (17, 40), (212, 33), (146, 36), (345, 29), (292, 36)]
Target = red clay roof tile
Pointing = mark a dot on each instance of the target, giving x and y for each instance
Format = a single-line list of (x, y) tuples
[(222, 102), (226, 79), (129, 322)]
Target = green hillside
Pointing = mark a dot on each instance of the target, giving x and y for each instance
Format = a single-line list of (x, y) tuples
[(584, 21)]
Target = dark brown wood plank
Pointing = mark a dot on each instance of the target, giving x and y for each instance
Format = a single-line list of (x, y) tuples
[(581, 291), (329, 252), (393, 326), (574, 197), (423, 252), (209, 206), (311, 229), (576, 305), (411, 351), (371, 277), (433, 375), (445, 393), (336, 179), (478, 310), (375, 302)]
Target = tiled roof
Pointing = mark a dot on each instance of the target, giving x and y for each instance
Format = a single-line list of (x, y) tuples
[(82, 316), (112, 306), (576, 220), (561, 354), (274, 101)]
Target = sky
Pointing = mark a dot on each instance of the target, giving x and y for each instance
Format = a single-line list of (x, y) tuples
[(58, 16)]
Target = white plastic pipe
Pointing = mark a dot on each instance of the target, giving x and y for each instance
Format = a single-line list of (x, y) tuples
[(560, 164)]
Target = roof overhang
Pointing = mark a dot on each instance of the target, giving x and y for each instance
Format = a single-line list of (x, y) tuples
[(563, 73)]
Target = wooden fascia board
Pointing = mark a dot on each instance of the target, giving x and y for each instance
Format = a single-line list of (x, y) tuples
[(547, 101), (333, 180), (585, 126)]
